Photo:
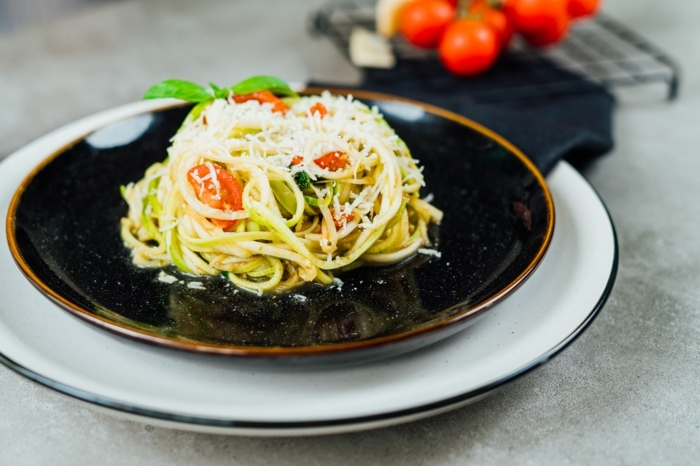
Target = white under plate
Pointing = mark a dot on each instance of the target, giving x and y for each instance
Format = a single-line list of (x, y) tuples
[(213, 394)]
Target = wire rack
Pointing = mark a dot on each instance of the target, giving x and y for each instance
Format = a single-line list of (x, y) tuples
[(598, 51)]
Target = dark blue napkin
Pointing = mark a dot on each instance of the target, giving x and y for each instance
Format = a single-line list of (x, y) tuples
[(547, 112)]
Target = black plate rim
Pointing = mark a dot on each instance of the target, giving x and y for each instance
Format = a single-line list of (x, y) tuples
[(447, 325)]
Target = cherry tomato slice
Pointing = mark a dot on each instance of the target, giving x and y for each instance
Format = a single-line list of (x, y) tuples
[(297, 159), (262, 97), (332, 161), (319, 108), (219, 190), (340, 219)]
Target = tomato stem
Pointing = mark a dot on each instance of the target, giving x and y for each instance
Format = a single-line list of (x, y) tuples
[(463, 9)]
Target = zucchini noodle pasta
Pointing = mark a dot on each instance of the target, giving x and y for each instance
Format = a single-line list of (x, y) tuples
[(276, 192)]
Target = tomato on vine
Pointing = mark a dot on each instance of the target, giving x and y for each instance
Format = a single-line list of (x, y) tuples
[(582, 8), (495, 18), (550, 36), (468, 47), (536, 17), (470, 34), (422, 22)]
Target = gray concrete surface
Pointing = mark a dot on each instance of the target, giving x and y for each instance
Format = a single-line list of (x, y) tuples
[(20, 13), (625, 393)]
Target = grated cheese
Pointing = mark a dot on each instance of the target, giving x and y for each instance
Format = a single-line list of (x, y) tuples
[(165, 278), (430, 252)]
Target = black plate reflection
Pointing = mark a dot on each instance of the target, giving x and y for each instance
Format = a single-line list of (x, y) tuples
[(498, 221)]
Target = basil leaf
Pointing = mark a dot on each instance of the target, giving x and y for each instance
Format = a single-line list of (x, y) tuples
[(183, 90), (218, 92), (263, 83)]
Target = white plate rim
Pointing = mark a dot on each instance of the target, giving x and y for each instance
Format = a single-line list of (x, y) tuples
[(307, 427), (172, 420)]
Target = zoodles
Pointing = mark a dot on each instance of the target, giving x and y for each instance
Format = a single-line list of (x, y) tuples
[(275, 192)]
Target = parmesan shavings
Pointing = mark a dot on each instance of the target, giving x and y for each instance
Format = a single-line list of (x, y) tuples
[(430, 252), (165, 278)]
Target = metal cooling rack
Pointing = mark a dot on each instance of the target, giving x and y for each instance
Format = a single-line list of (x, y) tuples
[(600, 50)]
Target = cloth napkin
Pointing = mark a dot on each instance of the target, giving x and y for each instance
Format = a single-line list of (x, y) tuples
[(547, 112)]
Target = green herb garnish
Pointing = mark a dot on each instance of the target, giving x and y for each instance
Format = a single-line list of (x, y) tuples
[(264, 83), (303, 180), (218, 92), (178, 89), (191, 92)]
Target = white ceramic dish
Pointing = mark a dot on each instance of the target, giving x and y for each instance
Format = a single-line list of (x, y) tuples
[(205, 393)]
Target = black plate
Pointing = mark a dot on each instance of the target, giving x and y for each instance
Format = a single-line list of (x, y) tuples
[(63, 229)]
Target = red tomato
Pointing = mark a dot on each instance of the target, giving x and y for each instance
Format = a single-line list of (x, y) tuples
[(581, 8), (262, 97), (297, 159), (468, 47), (551, 36), (422, 22), (495, 18), (219, 190), (332, 161), (536, 17), (340, 219), (319, 108)]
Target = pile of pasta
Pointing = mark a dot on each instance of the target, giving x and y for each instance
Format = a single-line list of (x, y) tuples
[(274, 193)]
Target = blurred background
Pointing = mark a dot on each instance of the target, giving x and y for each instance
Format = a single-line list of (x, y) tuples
[(18, 13)]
